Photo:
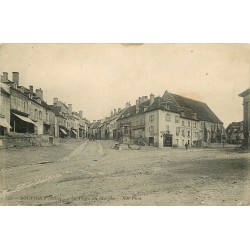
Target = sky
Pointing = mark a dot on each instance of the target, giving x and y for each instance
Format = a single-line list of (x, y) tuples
[(98, 78)]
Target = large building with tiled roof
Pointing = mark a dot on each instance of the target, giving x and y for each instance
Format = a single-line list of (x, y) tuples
[(170, 120), (246, 115)]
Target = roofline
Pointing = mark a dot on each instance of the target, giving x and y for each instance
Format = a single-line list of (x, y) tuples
[(244, 93)]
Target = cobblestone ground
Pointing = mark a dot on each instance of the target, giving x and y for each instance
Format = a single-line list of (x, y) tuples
[(92, 173)]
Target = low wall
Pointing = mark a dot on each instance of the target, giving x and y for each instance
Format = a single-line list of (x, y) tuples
[(26, 141)]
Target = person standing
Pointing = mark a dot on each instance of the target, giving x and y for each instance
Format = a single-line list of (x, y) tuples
[(186, 145)]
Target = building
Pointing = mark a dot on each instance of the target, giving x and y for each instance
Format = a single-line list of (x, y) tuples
[(4, 109), (112, 123), (234, 133), (29, 113), (61, 116), (94, 131), (131, 123), (168, 121), (246, 115)]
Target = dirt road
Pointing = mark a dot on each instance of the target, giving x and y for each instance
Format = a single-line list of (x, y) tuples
[(94, 174)]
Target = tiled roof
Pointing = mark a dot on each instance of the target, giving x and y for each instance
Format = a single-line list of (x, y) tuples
[(95, 125), (160, 103), (245, 93), (56, 110), (234, 127), (131, 111), (202, 110)]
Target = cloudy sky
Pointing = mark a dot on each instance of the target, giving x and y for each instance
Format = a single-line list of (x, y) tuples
[(97, 78)]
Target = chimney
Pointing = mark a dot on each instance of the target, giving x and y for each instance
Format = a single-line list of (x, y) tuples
[(111, 113), (31, 89), (119, 110), (128, 105), (140, 100), (70, 109), (55, 101), (94, 121), (137, 105), (5, 77), (144, 98), (80, 113), (39, 93), (152, 98), (15, 78), (114, 111)]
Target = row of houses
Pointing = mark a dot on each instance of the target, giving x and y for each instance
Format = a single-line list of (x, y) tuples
[(24, 111), (167, 121)]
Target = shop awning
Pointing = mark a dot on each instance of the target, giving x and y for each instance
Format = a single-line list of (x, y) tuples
[(74, 131), (4, 123), (63, 131), (26, 119)]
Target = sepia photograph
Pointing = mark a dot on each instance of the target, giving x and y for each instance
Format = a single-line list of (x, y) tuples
[(124, 124)]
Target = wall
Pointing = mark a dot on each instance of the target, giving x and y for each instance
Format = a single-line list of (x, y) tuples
[(5, 106), (161, 125), (246, 115), (18, 140), (19, 101)]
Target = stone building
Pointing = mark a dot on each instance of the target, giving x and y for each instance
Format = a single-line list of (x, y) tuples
[(246, 115), (234, 133), (94, 131), (170, 120), (112, 123), (131, 123), (4, 109), (29, 113)]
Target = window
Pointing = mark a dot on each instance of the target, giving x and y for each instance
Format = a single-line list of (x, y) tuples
[(177, 131), (35, 113), (176, 119), (168, 117), (151, 129), (188, 123), (188, 133), (183, 132), (167, 129), (151, 118), (195, 124), (40, 114), (183, 123), (125, 130)]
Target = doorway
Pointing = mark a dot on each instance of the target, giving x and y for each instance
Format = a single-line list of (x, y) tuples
[(151, 141), (168, 140)]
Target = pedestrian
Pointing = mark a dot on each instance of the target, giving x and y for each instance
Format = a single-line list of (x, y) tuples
[(186, 146)]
